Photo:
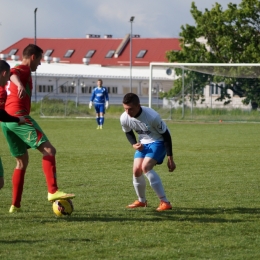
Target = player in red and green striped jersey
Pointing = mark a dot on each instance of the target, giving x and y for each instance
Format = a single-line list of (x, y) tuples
[(4, 116), (29, 135)]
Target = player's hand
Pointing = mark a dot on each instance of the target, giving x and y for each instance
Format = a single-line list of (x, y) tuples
[(21, 91), (22, 120), (138, 146), (90, 105), (107, 104), (171, 164)]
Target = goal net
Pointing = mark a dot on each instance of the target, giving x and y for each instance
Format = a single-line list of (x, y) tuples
[(209, 91)]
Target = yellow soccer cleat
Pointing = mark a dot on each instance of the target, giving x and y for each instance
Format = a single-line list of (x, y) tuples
[(60, 195), (14, 209)]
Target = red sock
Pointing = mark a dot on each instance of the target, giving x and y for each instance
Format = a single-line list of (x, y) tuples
[(18, 181), (49, 169)]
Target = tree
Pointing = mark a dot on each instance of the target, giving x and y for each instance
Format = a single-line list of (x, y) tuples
[(232, 36)]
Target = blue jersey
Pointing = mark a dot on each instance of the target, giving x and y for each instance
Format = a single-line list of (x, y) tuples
[(99, 95)]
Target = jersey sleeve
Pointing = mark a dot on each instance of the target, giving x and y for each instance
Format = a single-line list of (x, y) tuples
[(106, 95), (124, 126), (159, 125), (92, 95)]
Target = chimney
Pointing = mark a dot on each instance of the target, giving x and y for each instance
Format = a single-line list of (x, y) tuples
[(3, 56), (47, 59), (108, 36), (14, 57), (92, 36), (86, 61), (56, 59)]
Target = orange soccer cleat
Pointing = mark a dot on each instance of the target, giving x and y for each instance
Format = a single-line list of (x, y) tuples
[(137, 204), (164, 206)]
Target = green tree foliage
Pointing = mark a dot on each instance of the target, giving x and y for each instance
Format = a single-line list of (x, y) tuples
[(232, 36)]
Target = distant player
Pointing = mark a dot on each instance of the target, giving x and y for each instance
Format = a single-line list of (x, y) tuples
[(100, 98), (153, 144), (4, 117), (29, 135)]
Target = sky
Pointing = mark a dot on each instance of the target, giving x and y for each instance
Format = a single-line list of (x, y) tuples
[(77, 18)]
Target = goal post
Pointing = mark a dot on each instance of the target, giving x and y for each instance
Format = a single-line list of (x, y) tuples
[(217, 72)]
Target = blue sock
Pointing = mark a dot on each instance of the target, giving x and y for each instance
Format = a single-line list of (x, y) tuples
[(102, 119)]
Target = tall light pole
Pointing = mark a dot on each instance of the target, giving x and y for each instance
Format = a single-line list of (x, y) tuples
[(131, 21), (35, 79)]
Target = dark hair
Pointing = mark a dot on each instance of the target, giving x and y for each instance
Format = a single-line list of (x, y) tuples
[(32, 49), (4, 66), (100, 81), (131, 98)]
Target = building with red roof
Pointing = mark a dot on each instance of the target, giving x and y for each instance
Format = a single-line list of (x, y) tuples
[(74, 65)]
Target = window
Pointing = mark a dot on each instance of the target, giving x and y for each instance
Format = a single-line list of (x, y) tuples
[(43, 88), (50, 88), (90, 53), (48, 53), (12, 52), (141, 53), (110, 54), (68, 54), (90, 90), (214, 89), (114, 90)]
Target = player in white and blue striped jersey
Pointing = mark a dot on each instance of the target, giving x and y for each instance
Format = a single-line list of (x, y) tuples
[(100, 98)]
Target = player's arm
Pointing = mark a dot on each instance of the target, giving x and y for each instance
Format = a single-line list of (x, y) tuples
[(5, 117), (132, 140), (20, 87), (91, 99), (168, 146), (107, 99)]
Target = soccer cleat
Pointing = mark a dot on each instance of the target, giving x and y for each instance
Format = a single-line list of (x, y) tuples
[(14, 209), (98, 127), (59, 195), (164, 206), (137, 204)]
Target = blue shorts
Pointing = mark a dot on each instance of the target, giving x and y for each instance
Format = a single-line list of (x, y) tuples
[(154, 150), (100, 108)]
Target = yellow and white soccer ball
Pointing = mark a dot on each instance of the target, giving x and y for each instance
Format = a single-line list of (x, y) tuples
[(62, 207)]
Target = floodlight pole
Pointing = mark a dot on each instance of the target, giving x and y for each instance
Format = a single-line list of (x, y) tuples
[(131, 22), (35, 79)]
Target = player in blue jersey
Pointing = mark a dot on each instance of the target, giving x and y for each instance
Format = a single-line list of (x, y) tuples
[(153, 144), (100, 99)]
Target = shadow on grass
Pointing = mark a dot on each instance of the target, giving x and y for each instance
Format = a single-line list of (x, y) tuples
[(196, 215)]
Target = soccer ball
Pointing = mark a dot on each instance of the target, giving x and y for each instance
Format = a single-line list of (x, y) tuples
[(62, 207)]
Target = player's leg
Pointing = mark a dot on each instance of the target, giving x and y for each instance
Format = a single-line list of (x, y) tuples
[(97, 115), (155, 155), (18, 150), (49, 169), (138, 182), (102, 113), (18, 181)]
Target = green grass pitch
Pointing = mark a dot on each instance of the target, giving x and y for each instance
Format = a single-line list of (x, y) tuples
[(214, 192)]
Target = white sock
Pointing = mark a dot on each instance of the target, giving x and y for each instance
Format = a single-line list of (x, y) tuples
[(156, 184), (140, 185)]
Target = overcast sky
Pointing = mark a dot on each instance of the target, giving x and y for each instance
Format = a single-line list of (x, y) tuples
[(76, 18)]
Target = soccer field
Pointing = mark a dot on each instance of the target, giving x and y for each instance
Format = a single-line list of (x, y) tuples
[(214, 192)]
